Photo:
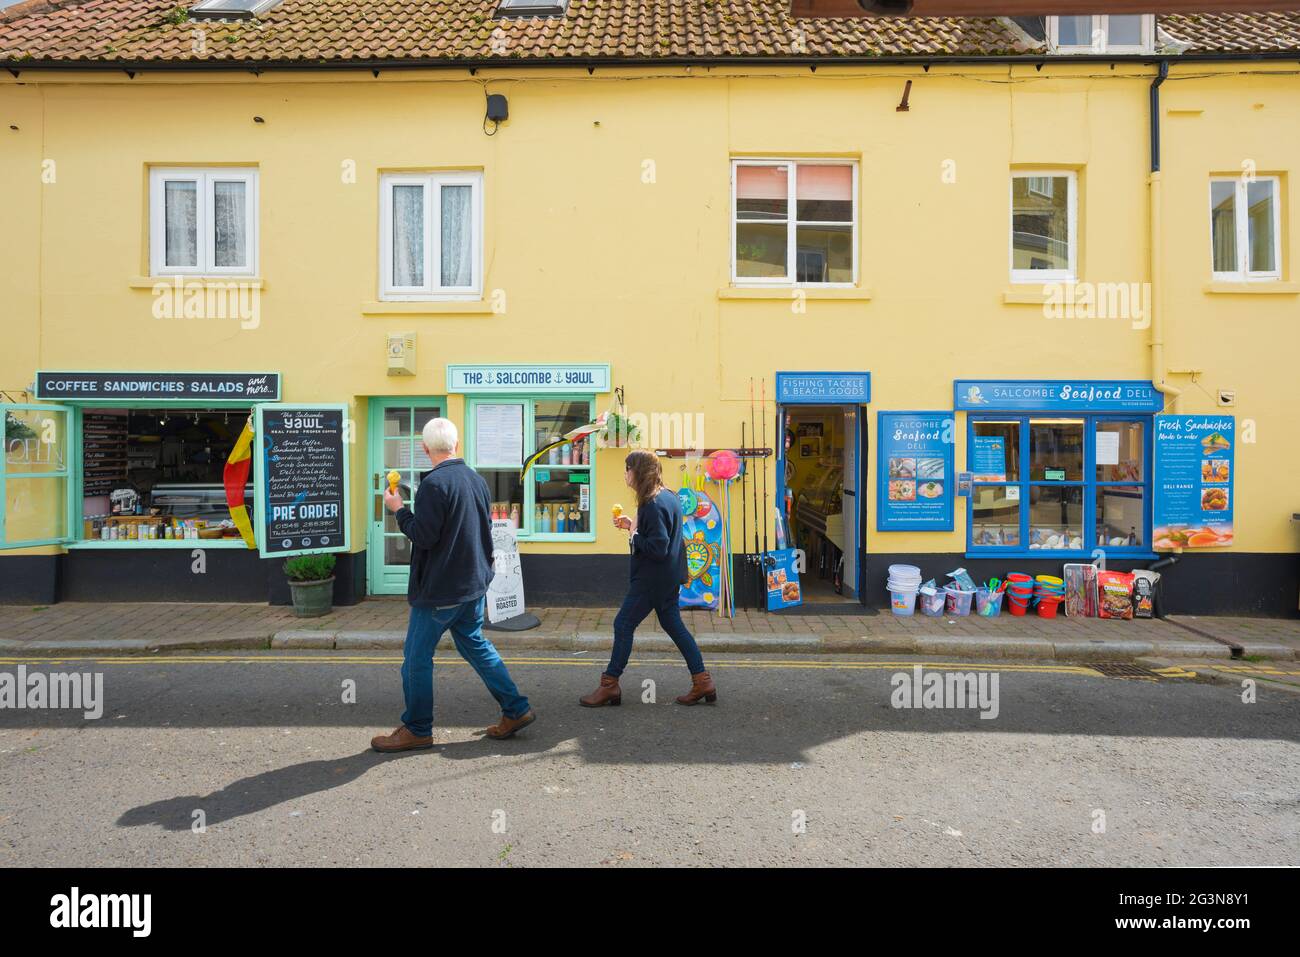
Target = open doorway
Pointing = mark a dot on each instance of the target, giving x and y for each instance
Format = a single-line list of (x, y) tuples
[(820, 469)]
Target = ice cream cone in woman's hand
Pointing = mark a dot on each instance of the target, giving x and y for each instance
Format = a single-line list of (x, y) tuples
[(622, 521)]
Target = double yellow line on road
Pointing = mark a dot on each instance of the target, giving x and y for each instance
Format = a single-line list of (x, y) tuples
[(776, 664)]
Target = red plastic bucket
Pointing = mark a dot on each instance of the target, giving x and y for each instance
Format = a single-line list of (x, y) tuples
[(1047, 607)]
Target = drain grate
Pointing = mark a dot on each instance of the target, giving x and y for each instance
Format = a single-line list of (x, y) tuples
[(1122, 669)]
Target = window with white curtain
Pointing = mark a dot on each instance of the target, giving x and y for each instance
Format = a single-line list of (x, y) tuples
[(203, 222), (430, 235), (1245, 227), (1102, 33)]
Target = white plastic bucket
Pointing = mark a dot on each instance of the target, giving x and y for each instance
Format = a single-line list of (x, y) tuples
[(902, 602)]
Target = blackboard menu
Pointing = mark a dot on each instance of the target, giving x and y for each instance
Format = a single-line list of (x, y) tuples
[(304, 479), (103, 452)]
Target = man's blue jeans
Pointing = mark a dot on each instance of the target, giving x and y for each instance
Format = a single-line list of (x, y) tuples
[(423, 633)]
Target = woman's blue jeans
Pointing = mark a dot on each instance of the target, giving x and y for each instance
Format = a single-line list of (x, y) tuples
[(638, 604)]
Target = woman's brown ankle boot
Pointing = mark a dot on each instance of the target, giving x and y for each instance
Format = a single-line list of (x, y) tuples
[(608, 693), (701, 687)]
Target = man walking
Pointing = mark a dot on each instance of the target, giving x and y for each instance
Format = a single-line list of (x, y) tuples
[(451, 566)]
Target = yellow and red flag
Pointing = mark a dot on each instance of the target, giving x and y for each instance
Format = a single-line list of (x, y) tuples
[(235, 477)]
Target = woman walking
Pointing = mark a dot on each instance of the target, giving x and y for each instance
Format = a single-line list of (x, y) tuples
[(658, 570)]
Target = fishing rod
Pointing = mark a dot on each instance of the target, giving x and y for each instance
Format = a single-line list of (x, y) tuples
[(763, 411), (757, 572), (747, 578)]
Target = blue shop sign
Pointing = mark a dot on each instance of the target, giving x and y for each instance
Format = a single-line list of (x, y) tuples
[(1056, 395), (823, 388), (915, 482)]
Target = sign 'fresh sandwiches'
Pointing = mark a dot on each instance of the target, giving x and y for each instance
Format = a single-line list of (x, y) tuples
[(1195, 469)]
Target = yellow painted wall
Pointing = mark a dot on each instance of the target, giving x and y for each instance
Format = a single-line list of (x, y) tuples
[(602, 262)]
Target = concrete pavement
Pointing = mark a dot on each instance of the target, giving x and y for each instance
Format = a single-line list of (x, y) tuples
[(376, 624)]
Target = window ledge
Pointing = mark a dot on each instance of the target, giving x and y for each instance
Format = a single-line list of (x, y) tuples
[(429, 307), (216, 282), (1112, 554), (161, 543), (1264, 287), (1035, 293), (787, 293)]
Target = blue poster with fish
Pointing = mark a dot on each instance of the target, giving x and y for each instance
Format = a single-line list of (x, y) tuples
[(702, 530), (1194, 471), (783, 579), (915, 472)]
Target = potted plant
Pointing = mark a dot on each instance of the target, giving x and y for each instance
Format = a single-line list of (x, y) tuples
[(311, 584), (619, 432)]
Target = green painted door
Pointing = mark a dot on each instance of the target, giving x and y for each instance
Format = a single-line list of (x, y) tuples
[(394, 430), (36, 471)]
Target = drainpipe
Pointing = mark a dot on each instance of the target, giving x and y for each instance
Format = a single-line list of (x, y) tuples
[(1157, 340)]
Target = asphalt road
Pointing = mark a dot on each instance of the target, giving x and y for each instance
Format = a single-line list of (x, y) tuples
[(1074, 770)]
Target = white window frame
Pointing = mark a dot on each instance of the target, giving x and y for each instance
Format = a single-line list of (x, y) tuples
[(205, 11), (792, 224), (205, 180), (1101, 29), (1241, 217), (1039, 276), (432, 184)]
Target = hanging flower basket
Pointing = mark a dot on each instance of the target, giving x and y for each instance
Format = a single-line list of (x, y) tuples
[(620, 432)]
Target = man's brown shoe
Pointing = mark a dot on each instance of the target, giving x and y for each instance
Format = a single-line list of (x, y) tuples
[(607, 693), (400, 740), (509, 726)]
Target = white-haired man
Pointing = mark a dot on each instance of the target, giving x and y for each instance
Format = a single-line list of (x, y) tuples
[(451, 565)]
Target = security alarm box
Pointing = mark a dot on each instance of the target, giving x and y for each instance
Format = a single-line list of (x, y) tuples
[(401, 353)]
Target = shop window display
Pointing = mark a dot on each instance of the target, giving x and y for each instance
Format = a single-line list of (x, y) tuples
[(555, 498), (1085, 485), (155, 475)]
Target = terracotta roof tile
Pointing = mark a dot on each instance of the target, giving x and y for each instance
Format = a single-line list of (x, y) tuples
[(142, 31), (1236, 32)]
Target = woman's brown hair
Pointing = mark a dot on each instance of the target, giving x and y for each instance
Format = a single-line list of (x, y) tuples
[(647, 476)]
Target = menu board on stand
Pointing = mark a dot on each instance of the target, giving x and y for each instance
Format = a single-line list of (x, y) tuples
[(301, 479)]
